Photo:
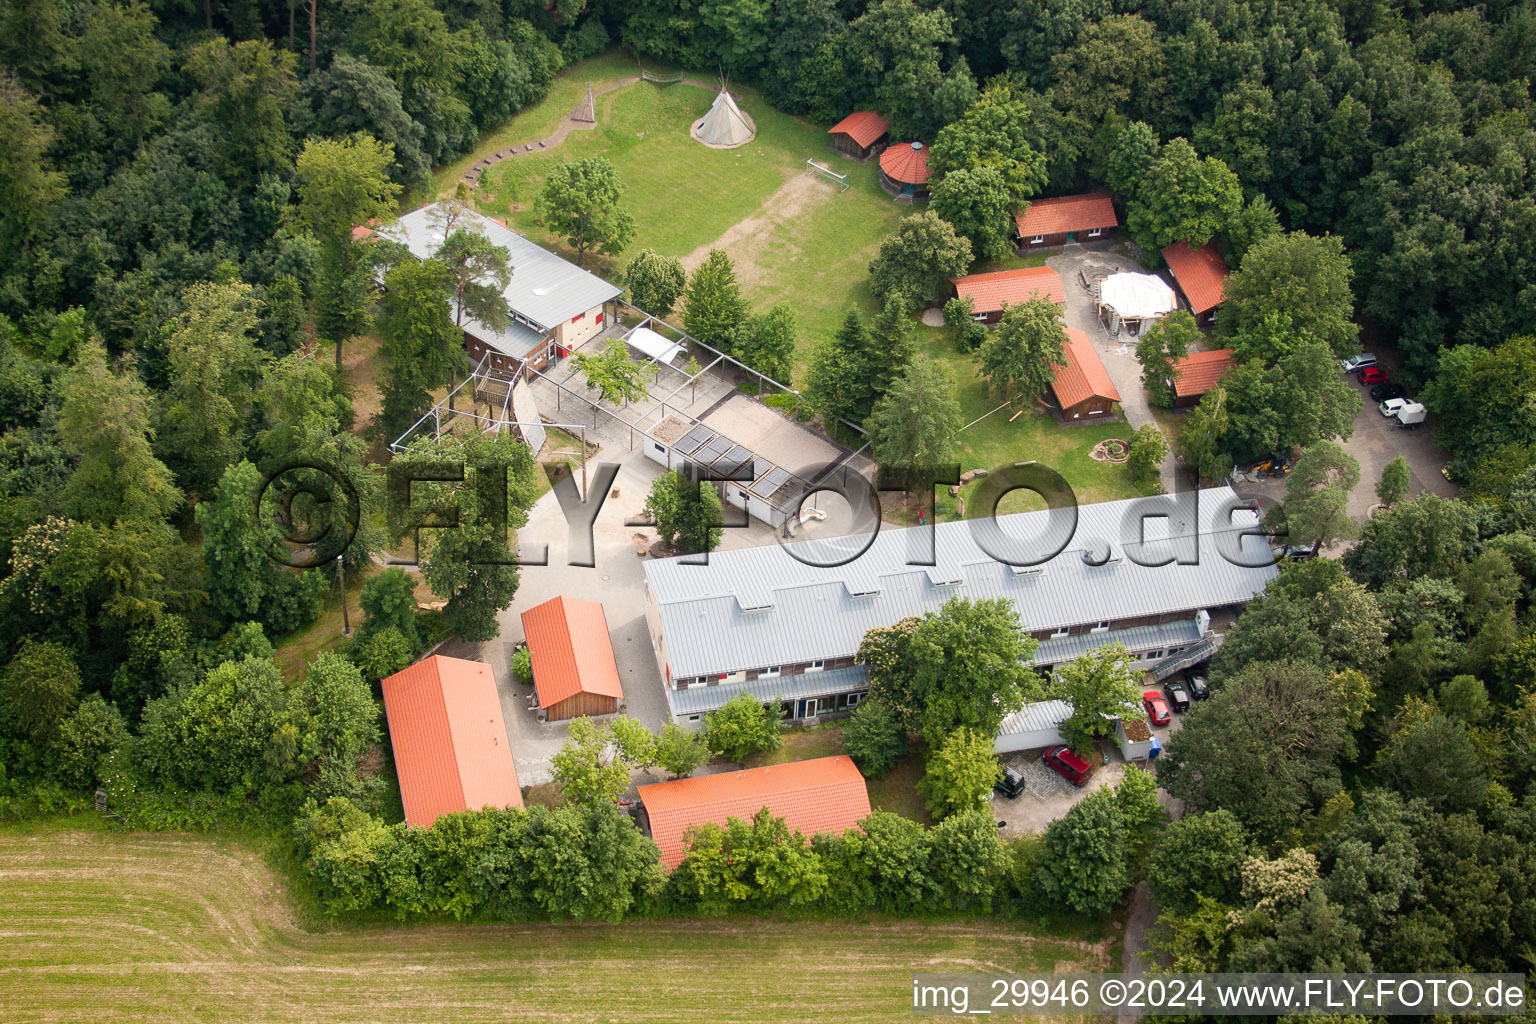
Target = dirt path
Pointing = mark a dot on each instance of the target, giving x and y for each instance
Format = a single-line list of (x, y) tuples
[(755, 234), (569, 123)]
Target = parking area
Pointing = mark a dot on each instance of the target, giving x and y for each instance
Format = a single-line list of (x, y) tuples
[(1049, 796)]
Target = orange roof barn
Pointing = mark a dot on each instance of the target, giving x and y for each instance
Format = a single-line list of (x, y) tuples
[(1198, 372), (826, 794), (990, 291), (906, 162), (1062, 214), (1083, 376), (449, 739), (864, 127), (1201, 274), (570, 651)]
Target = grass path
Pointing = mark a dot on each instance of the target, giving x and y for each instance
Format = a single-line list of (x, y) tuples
[(128, 926)]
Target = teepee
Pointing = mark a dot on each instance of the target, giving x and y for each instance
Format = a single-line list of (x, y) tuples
[(725, 126)]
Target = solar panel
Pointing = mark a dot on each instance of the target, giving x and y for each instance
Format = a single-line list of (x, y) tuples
[(714, 448), (775, 479), (695, 438)]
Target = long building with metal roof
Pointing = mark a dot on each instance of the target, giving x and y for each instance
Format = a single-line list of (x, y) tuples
[(764, 622), (556, 305)]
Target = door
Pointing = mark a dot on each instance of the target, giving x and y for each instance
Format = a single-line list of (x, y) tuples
[(808, 709)]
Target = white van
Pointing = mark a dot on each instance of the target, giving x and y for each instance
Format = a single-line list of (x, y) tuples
[(1411, 415), (1358, 362), (1391, 405)]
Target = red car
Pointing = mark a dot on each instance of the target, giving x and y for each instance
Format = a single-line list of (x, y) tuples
[(1157, 707), (1371, 375), (1068, 765)]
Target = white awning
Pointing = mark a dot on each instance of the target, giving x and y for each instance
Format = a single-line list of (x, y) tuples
[(654, 345), (1137, 296)]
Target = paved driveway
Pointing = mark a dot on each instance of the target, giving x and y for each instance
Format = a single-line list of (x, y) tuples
[(1118, 353)]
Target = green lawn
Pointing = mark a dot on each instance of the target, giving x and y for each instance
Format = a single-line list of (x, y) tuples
[(810, 246), (131, 926)]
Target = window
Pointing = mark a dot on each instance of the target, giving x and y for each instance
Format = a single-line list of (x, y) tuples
[(816, 666), (1037, 240), (1076, 415), (853, 699), (577, 318), (693, 718), (1095, 233), (659, 447), (1063, 631), (980, 318), (769, 672), (1152, 655), (1101, 626)]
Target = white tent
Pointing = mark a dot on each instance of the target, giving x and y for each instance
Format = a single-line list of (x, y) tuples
[(725, 126), (654, 345), (1137, 296)]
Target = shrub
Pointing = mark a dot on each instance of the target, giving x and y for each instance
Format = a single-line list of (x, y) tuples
[(741, 728), (522, 666), (874, 738)]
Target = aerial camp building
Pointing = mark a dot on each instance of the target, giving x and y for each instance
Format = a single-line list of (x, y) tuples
[(1082, 386), (824, 795), (1062, 219), (758, 621), (1197, 373), (449, 739), (555, 305), (991, 293), (1201, 275), (574, 671), (904, 171), (860, 134)]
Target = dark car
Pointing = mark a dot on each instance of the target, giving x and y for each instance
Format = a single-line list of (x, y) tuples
[(1176, 694), (1011, 784), (1157, 707), (1382, 392), (1068, 765), (1198, 688)]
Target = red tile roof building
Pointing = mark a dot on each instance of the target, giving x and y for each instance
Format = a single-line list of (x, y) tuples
[(858, 133), (1082, 386), (574, 672), (822, 795), (989, 292), (904, 169), (1198, 372), (1052, 220), (449, 739), (1201, 275)]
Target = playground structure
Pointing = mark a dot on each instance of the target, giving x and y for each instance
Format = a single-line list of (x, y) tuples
[(840, 180)]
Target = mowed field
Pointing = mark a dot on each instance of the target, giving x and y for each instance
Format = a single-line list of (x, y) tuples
[(791, 236), (132, 926)]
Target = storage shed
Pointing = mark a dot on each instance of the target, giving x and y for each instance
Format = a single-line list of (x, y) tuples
[(1032, 727), (449, 739), (1082, 386), (1197, 373), (860, 134), (1201, 275), (574, 671)]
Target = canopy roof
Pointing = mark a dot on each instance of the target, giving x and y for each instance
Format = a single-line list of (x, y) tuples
[(906, 162), (864, 127), (1137, 296), (657, 346), (725, 125)]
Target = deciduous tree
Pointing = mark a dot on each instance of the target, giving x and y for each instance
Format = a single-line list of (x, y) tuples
[(581, 201), (688, 513), (741, 727), (713, 309), (1023, 352), (915, 423), (959, 775), (915, 264), (655, 282), (1101, 686)]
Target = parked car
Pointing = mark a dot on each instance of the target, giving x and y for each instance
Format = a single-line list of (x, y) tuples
[(1157, 708), (1012, 782), (1195, 682), (1174, 691), (1370, 375), (1382, 392), (1391, 405), (1358, 362), (1068, 765)]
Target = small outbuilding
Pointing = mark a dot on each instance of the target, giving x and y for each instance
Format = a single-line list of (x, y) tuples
[(824, 795), (990, 293), (860, 134), (574, 671), (1197, 373), (1032, 727), (449, 739), (1062, 219), (904, 171), (1201, 275), (1082, 386)]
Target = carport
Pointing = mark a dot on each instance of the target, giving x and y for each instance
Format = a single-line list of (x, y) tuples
[(1033, 726)]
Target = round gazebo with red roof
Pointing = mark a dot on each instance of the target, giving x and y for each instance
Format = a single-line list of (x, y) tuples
[(904, 171)]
